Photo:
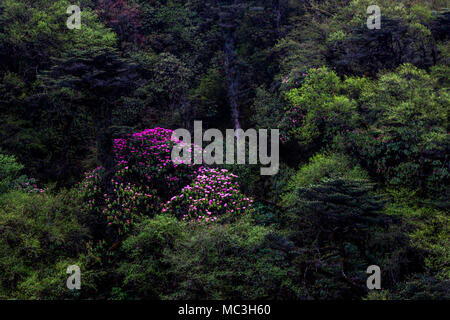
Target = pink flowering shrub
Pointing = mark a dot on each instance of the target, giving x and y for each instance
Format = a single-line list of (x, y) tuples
[(143, 173), (26, 184), (126, 203), (212, 193), (146, 181), (145, 159), (121, 207), (90, 188)]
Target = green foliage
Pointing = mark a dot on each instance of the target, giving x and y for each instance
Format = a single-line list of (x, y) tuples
[(41, 237), (422, 288), (316, 111), (321, 167), (11, 179), (9, 171), (239, 261), (441, 74), (210, 96), (301, 49), (40, 121), (267, 109), (145, 275), (429, 231), (407, 144), (340, 226), (38, 31), (171, 79), (404, 36)]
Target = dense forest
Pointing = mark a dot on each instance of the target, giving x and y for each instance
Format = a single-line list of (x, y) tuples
[(86, 175)]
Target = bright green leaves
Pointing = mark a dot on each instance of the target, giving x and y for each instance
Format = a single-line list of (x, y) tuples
[(324, 112), (34, 33)]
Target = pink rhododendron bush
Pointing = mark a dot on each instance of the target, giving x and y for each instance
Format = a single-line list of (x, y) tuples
[(213, 193), (146, 182), (144, 158)]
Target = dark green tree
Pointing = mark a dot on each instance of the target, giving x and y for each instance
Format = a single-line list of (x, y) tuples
[(338, 223), (367, 51), (92, 82)]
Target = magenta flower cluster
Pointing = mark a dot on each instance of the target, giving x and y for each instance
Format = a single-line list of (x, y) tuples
[(212, 193), (144, 158), (146, 181)]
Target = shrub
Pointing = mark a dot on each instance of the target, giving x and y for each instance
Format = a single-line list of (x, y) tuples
[(10, 178), (144, 273), (143, 174), (145, 182), (232, 261), (213, 193), (41, 237), (9, 171)]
